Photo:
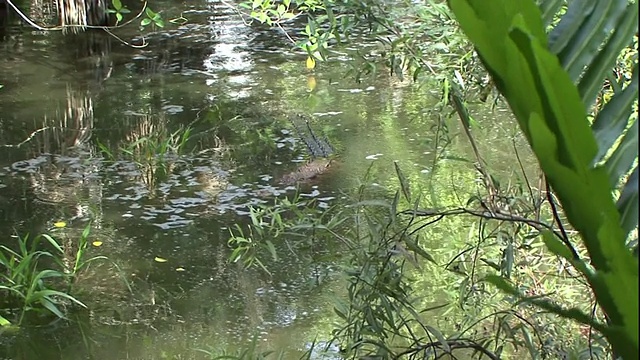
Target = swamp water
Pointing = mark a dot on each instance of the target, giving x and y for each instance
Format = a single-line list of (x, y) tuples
[(80, 117)]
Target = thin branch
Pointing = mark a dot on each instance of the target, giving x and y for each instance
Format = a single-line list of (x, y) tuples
[(526, 178), (474, 262), (33, 133), (144, 43), (556, 217), (538, 225), (285, 33), (508, 312), (235, 9), (453, 345), (463, 113)]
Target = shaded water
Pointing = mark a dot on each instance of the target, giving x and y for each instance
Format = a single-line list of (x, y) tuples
[(68, 103)]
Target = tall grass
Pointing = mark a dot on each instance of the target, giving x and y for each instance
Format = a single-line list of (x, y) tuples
[(37, 277)]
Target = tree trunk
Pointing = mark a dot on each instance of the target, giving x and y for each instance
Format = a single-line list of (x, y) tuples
[(76, 15)]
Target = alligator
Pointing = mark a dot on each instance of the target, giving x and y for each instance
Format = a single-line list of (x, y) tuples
[(320, 150), (318, 147), (306, 172)]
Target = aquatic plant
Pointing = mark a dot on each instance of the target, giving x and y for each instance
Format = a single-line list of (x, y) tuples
[(154, 150), (154, 147), (27, 286), (295, 217), (38, 280)]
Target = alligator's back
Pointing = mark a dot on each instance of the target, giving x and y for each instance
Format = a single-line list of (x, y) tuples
[(319, 148), (306, 172)]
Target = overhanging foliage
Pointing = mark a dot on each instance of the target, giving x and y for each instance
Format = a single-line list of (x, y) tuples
[(536, 75)]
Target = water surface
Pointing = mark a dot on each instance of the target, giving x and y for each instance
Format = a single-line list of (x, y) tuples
[(71, 103)]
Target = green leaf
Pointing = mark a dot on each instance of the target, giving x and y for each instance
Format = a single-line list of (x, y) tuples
[(404, 182), (558, 248), (628, 203), (145, 22), (340, 314), (624, 156), (49, 305), (596, 27), (413, 246), (116, 4), (552, 114), (272, 250), (53, 243), (441, 339), (549, 9), (597, 70), (507, 260), (574, 314), (4, 322), (393, 209), (570, 24), (48, 293), (262, 17), (613, 119), (562, 110)]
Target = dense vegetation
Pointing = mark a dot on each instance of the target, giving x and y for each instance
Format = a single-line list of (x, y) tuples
[(551, 269), (549, 62)]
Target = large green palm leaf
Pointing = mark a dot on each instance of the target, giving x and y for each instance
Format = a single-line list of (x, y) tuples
[(550, 80), (587, 41)]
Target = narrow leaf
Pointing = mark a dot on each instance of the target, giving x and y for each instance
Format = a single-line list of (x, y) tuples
[(577, 13), (404, 183), (49, 305), (582, 47), (549, 9), (440, 337), (628, 203), (610, 123), (4, 322), (624, 156), (591, 82)]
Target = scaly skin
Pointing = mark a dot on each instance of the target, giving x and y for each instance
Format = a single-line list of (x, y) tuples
[(307, 171)]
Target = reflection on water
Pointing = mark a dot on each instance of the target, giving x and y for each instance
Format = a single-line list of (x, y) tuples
[(70, 114)]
